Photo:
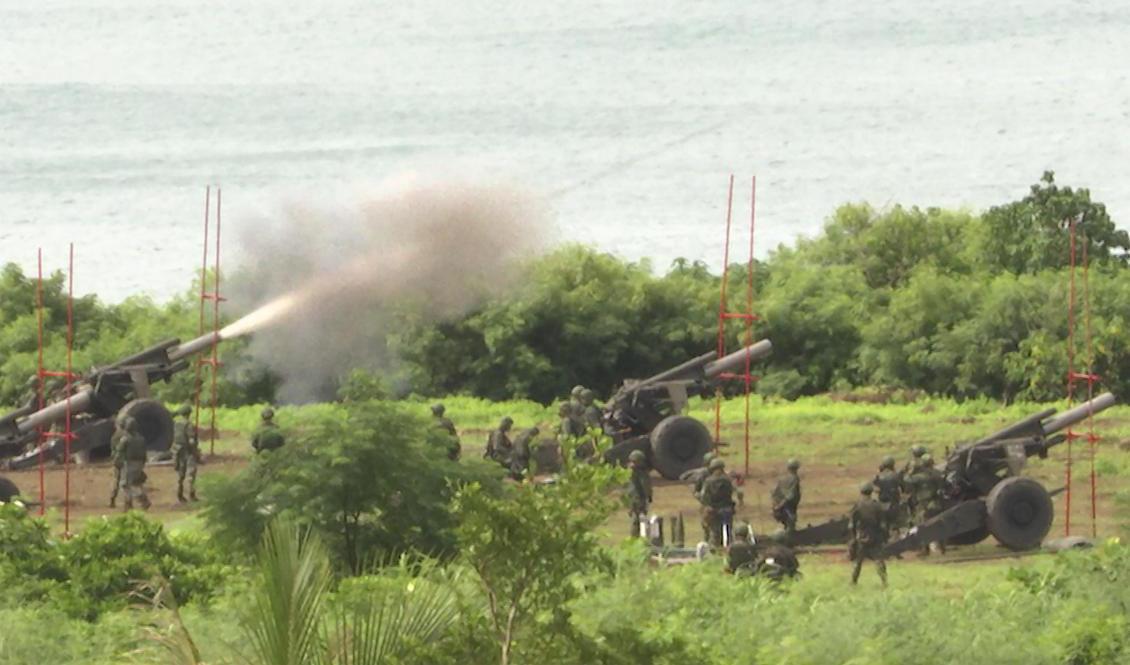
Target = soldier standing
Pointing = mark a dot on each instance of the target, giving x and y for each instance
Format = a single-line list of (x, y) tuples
[(639, 490), (499, 447), (454, 449), (118, 459), (133, 450), (267, 436), (869, 531), (929, 491), (590, 415), (717, 497), (186, 452), (786, 497), (889, 486), (741, 559), (520, 459)]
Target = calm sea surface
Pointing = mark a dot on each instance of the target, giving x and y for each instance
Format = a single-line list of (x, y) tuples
[(627, 116)]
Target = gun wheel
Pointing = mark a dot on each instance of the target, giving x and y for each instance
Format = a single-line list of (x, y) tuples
[(8, 490), (1019, 512), (153, 420), (678, 444)]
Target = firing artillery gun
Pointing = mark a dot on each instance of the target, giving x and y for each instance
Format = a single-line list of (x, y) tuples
[(95, 401), (648, 415)]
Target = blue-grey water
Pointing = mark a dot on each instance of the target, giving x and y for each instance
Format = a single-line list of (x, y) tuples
[(627, 116)]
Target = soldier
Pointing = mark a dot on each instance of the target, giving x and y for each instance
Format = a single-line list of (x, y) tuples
[(718, 499), (775, 559), (741, 560), (570, 427), (639, 490), (786, 497), (590, 415), (186, 452), (267, 436), (701, 474), (520, 459), (499, 447), (889, 486), (929, 491), (454, 449), (914, 463), (869, 530), (118, 459), (133, 450)]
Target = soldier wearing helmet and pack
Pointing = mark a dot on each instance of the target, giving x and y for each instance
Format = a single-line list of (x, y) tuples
[(590, 413), (869, 532), (741, 558), (912, 466), (717, 498), (888, 485), (786, 497), (775, 559), (186, 452), (131, 448), (454, 448), (499, 447), (929, 493), (267, 436), (639, 491)]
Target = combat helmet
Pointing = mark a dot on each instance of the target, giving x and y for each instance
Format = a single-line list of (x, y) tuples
[(918, 451), (576, 391), (887, 463), (505, 423), (927, 460), (741, 531), (437, 409), (637, 456), (268, 413), (866, 488), (708, 458), (793, 464), (717, 464), (587, 396)]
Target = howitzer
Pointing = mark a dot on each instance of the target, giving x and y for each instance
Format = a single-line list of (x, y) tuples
[(648, 415), (985, 493), (98, 398)]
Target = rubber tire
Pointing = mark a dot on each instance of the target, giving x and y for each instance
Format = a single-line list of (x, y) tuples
[(678, 444), (969, 537), (8, 490), (1019, 512), (154, 420)]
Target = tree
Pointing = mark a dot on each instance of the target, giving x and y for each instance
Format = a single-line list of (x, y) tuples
[(372, 478), (528, 546)]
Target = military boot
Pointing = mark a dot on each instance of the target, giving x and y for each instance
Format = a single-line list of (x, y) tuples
[(192, 496)]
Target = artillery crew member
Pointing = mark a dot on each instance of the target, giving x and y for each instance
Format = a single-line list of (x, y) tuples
[(590, 414), (454, 449), (499, 447), (717, 498), (889, 487), (186, 452), (118, 459), (520, 457), (775, 559), (914, 464), (133, 450), (267, 436), (786, 497), (639, 491), (929, 491), (741, 559), (869, 532)]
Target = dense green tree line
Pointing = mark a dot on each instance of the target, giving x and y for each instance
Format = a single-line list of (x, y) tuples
[(948, 302)]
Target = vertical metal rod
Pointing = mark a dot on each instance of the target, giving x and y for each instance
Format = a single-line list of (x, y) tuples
[(1070, 371), (215, 326), (749, 314), (199, 385), (1091, 439), (722, 311), (39, 374), (67, 428)]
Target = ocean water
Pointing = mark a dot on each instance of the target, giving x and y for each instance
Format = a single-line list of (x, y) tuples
[(626, 117)]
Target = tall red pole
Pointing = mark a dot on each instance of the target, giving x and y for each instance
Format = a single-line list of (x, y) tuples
[(1070, 371), (1092, 440), (39, 381), (722, 310), (749, 313), (199, 385), (67, 428), (215, 326)]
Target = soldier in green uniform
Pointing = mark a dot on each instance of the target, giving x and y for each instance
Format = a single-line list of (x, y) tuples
[(639, 491), (889, 487), (912, 466), (186, 452), (786, 497), (267, 436), (590, 415), (717, 498), (499, 446), (118, 459), (570, 426), (455, 448), (134, 451), (869, 531), (929, 491), (775, 559), (520, 457), (741, 558)]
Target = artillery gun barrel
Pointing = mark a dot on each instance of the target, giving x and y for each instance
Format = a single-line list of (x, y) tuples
[(679, 371), (1079, 413), (192, 346), (737, 360), (52, 413)]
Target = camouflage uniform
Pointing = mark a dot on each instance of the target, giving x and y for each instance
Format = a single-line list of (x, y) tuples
[(590, 415), (118, 459), (267, 436), (741, 559), (869, 531), (639, 491), (786, 497), (134, 450), (718, 499), (775, 560), (520, 457), (929, 491), (454, 448), (571, 427), (499, 448), (888, 484), (186, 453)]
